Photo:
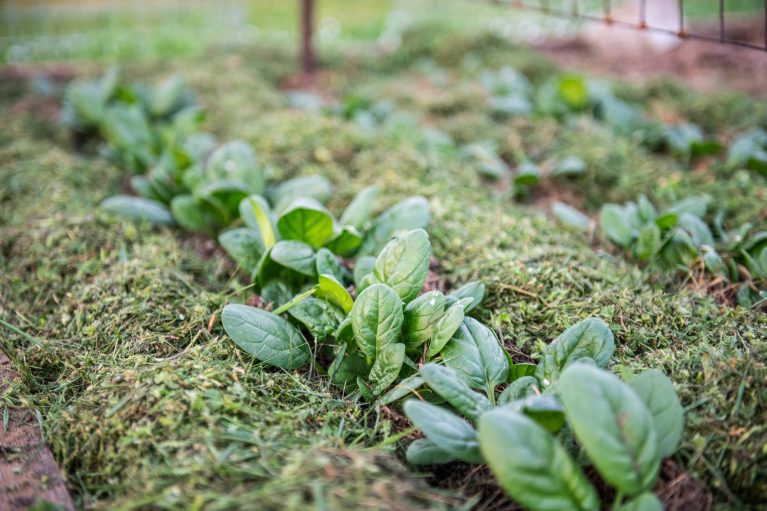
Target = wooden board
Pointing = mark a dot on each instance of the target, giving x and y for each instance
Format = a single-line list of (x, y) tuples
[(28, 472)]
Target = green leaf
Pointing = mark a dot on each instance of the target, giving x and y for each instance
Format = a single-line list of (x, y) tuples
[(475, 354), (420, 317), (321, 318), (313, 187), (445, 429), (244, 245), (276, 292), (362, 268), (236, 161), (589, 338), (649, 242), (545, 409), (166, 96), (518, 389), (531, 466), (697, 229), (474, 290), (306, 220), (226, 195), (402, 389), (376, 319), (386, 367), (351, 368), (666, 220), (295, 255), (411, 213), (613, 426), (425, 452), (445, 328), (256, 214), (616, 225), (266, 336), (517, 371), (328, 288), (527, 173), (658, 394), (404, 263), (357, 213), (644, 502), (345, 241), (327, 263), (138, 209), (191, 214), (696, 206), (454, 390), (570, 217)]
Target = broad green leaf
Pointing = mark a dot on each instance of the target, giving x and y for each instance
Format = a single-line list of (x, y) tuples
[(256, 214), (445, 328), (616, 225), (404, 263), (328, 288), (570, 216), (295, 255), (376, 319), (244, 245), (647, 212), (696, 228), (411, 213), (266, 336), (644, 502), (226, 195), (236, 161), (402, 389), (306, 220), (474, 290), (386, 367), (589, 338), (519, 388), (351, 368), (649, 242), (476, 356), (345, 332), (276, 292), (517, 371), (191, 213), (445, 429), (345, 241), (321, 318), (362, 268), (545, 409), (658, 394), (420, 317), (696, 205), (364, 389), (166, 96), (313, 187), (425, 452), (366, 282), (327, 263), (357, 213), (613, 426), (667, 220), (454, 390), (527, 173), (531, 466), (138, 209)]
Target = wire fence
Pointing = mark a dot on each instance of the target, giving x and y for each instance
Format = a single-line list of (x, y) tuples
[(669, 17)]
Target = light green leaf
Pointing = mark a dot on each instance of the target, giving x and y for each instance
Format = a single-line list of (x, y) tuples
[(402, 389), (545, 409), (518, 389), (236, 161), (517, 371), (531, 466), (327, 263), (376, 319), (425, 452), (190, 213), (244, 245), (445, 328), (454, 390), (446, 430), (658, 394), (404, 263), (570, 216), (420, 317), (362, 268), (411, 213), (649, 241), (357, 213), (474, 290), (328, 288), (589, 338), (295, 255), (386, 367), (266, 336), (613, 426), (345, 241), (314, 187), (256, 214), (138, 209), (616, 225), (644, 502), (306, 220), (476, 356)]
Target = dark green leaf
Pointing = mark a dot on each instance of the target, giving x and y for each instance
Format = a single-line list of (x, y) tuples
[(404, 263), (420, 317), (474, 290), (386, 367), (295, 255), (658, 394), (445, 328), (616, 225), (454, 390), (362, 268), (321, 318), (138, 209), (644, 502), (411, 213), (376, 319), (475, 354), (517, 371), (357, 213), (328, 288), (425, 452), (327, 263), (402, 389), (446, 430), (244, 245), (345, 241), (519, 388)]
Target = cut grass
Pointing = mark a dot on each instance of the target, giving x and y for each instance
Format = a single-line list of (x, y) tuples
[(144, 405)]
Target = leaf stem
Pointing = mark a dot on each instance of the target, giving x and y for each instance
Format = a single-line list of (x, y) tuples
[(294, 301)]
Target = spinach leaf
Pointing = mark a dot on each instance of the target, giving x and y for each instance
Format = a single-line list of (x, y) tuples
[(445, 328), (589, 338), (357, 213), (138, 209), (411, 213), (446, 430), (425, 452), (321, 318), (295, 255), (658, 394), (404, 263), (236, 161), (616, 225), (345, 241), (266, 336), (328, 288), (517, 389), (376, 319), (362, 268), (454, 390), (402, 389), (545, 409), (420, 317), (256, 214), (386, 367), (476, 356), (474, 290), (313, 187), (644, 502), (191, 214), (613, 426), (327, 263), (306, 220), (533, 468), (570, 216), (244, 245)]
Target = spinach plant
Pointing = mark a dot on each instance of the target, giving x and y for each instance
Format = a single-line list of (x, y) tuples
[(368, 341), (749, 150), (521, 419)]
